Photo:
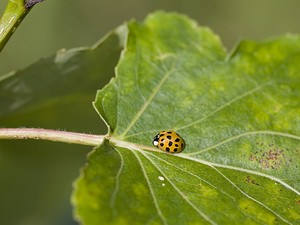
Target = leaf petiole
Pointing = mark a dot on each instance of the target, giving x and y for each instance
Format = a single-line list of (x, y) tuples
[(51, 135)]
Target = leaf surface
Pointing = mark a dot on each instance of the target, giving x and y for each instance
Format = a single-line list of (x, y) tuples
[(238, 114), (78, 71)]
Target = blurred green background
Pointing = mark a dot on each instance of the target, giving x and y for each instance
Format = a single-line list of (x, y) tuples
[(36, 177)]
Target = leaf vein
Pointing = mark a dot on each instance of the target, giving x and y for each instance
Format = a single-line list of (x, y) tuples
[(241, 170), (243, 135), (147, 103), (251, 198), (141, 148), (150, 188), (226, 104), (194, 175), (204, 216), (117, 185)]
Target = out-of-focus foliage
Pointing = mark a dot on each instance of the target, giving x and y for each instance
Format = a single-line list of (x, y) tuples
[(56, 93)]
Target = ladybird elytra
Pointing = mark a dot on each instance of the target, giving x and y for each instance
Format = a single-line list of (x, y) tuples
[(169, 141)]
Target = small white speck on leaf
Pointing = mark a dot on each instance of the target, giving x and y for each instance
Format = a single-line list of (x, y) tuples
[(161, 178)]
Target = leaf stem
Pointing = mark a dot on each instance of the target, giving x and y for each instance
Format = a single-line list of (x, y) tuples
[(51, 135), (13, 15)]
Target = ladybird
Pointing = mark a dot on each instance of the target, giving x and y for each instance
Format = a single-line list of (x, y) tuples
[(169, 141)]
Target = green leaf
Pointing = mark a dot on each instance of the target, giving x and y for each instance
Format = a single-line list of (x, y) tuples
[(73, 72), (238, 114)]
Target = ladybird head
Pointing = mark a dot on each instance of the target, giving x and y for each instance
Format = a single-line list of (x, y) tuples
[(155, 140)]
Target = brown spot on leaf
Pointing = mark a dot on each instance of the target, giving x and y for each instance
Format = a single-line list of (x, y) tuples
[(251, 181), (270, 156)]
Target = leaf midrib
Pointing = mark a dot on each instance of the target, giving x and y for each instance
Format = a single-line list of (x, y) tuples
[(137, 147)]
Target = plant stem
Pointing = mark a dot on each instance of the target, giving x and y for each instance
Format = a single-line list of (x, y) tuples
[(13, 15), (51, 135)]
